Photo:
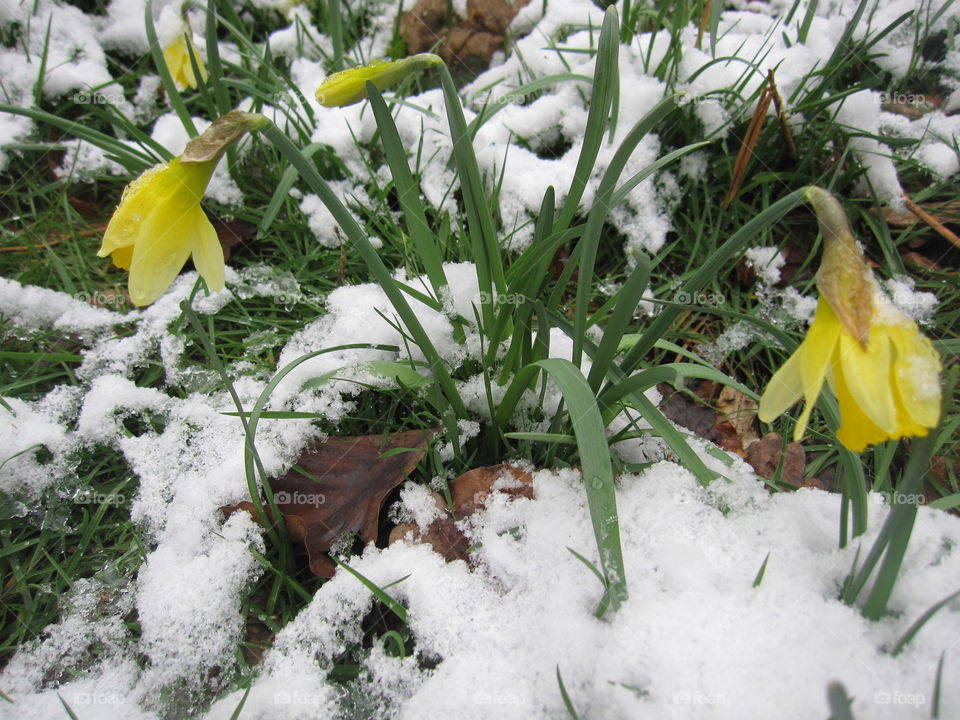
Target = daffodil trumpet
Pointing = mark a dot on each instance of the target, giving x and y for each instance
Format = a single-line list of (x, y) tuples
[(884, 372), (349, 87), (159, 223)]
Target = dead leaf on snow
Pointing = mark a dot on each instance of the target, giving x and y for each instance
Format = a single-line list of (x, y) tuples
[(765, 456), (336, 490), (469, 493)]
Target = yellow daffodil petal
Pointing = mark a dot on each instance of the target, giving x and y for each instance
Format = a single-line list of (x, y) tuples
[(135, 205), (916, 369), (176, 56), (158, 259), (867, 375), (804, 372), (856, 429), (818, 351), (122, 257), (208, 253), (784, 389)]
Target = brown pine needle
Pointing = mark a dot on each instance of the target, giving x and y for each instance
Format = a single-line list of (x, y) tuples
[(749, 143), (704, 19), (930, 220), (782, 116), (24, 248)]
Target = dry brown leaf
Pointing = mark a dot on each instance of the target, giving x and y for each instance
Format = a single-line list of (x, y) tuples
[(233, 232), (467, 42), (765, 456), (469, 493), (347, 480), (741, 412)]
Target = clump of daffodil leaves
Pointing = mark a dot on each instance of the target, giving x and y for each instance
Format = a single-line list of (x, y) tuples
[(884, 372), (159, 222)]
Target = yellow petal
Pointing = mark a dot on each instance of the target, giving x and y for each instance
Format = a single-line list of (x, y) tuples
[(916, 370), (783, 390), (176, 56), (122, 257), (163, 247), (135, 205), (867, 374), (208, 253), (856, 429), (817, 353)]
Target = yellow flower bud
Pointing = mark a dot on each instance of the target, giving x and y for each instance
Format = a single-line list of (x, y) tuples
[(176, 55), (350, 86)]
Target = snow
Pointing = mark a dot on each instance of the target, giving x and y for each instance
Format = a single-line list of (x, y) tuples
[(502, 630), (767, 262), (695, 639)]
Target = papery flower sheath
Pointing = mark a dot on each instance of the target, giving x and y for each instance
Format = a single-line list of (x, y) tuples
[(883, 370), (159, 222), (348, 87)]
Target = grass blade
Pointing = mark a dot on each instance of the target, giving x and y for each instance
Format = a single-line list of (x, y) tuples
[(408, 193), (597, 471)]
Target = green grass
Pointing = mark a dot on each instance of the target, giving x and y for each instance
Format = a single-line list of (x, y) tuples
[(43, 556)]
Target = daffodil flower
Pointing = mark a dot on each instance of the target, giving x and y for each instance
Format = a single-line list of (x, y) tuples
[(176, 56), (348, 87), (159, 222), (883, 371)]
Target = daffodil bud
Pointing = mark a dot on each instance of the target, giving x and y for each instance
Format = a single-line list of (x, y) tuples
[(350, 86), (178, 46)]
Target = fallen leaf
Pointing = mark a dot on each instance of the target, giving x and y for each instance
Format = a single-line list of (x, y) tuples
[(339, 489), (464, 43), (923, 261), (765, 455), (442, 534), (741, 412), (468, 493), (705, 414), (233, 232)]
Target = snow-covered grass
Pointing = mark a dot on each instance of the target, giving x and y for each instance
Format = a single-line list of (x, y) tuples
[(126, 593)]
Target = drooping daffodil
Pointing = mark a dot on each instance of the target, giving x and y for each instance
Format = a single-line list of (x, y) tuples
[(884, 372), (348, 87), (159, 222), (178, 46)]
